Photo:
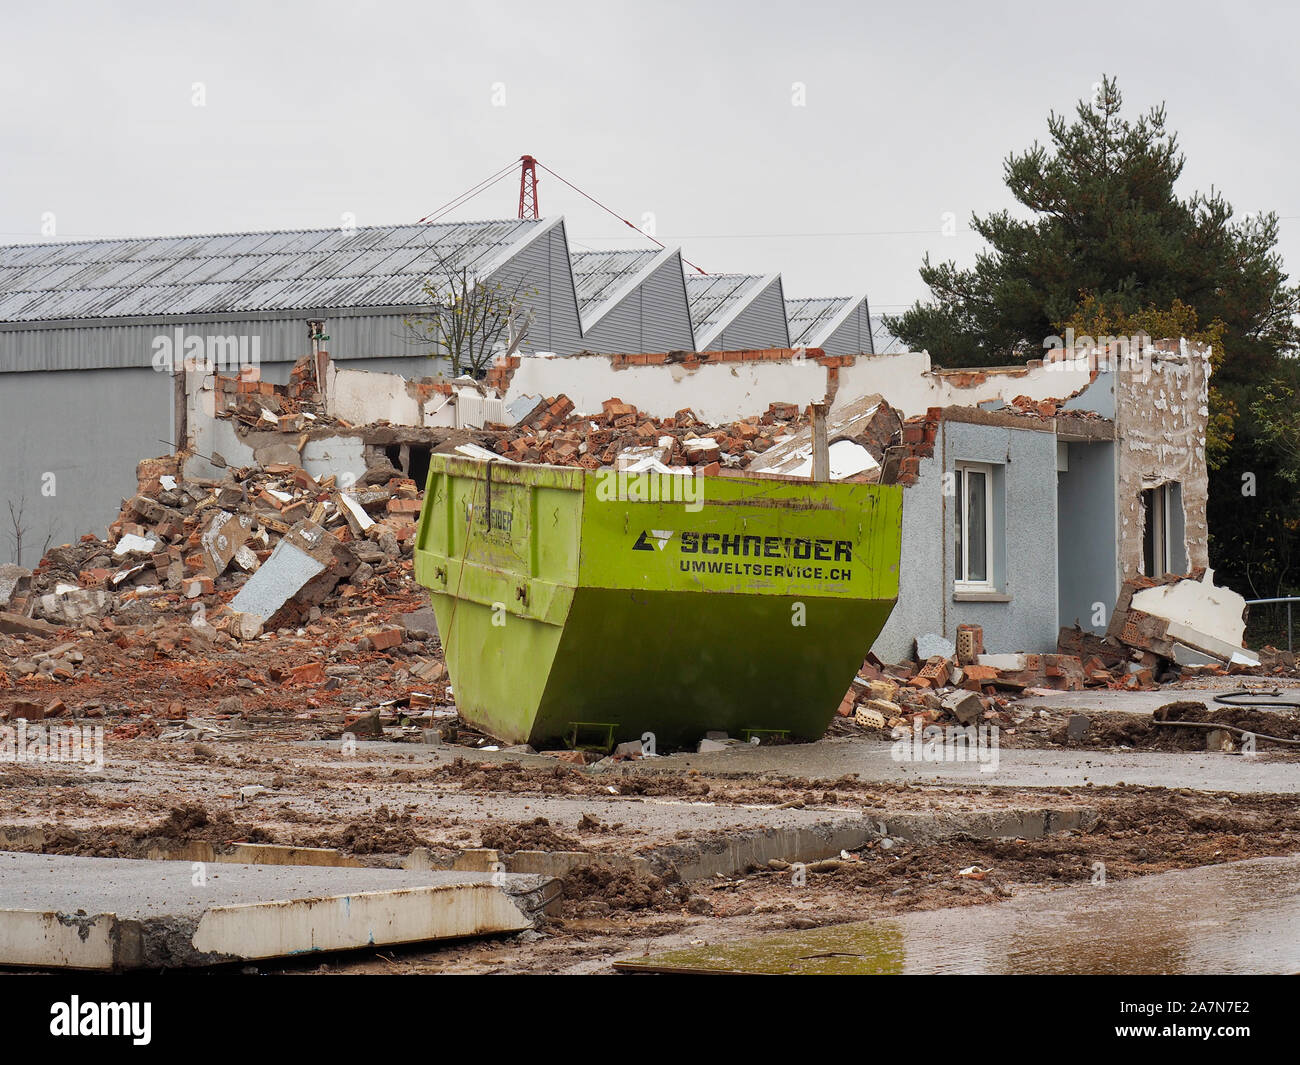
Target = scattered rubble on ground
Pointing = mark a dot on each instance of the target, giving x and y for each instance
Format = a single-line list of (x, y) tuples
[(958, 684), (220, 622)]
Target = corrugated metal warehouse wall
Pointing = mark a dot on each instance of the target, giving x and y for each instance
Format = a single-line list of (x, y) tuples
[(853, 335), (653, 317), (760, 323), (71, 443)]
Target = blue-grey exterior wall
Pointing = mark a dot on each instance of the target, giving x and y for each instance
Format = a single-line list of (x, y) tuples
[(853, 335), (545, 273), (1087, 570), (1028, 621)]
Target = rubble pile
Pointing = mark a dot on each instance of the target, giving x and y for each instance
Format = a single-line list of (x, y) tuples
[(209, 601), (263, 405), (190, 542), (553, 435), (953, 684), (619, 436), (1171, 628), (1141, 651)]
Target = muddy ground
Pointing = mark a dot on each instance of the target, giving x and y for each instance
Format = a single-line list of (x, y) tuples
[(607, 914), (216, 743), (158, 796)]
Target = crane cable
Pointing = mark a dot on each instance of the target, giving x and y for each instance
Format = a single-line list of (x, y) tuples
[(615, 214), (469, 194)]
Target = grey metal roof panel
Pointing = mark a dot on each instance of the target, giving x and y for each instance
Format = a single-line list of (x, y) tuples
[(336, 263), (378, 262), (207, 270), (13, 305), (408, 236), (90, 302), (282, 270), (406, 260), (123, 301), (808, 318), (599, 276), (359, 239), (176, 271), (884, 342), (300, 242), (41, 278), (399, 290), (712, 296), (373, 291), (228, 244)]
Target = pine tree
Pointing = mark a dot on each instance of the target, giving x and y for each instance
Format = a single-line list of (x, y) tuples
[(1106, 228), (1107, 240)]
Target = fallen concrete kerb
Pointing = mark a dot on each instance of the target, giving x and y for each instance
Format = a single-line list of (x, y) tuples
[(1012, 823), (735, 852), (58, 911)]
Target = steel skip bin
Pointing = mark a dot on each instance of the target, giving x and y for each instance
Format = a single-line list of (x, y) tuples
[(571, 601)]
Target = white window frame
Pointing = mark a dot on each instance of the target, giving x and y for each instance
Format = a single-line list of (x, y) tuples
[(961, 583), (1156, 525)]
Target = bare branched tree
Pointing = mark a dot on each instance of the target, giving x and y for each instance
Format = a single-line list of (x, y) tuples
[(17, 529), (469, 320)]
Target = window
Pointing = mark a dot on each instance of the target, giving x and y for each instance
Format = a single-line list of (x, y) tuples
[(974, 523), (1159, 514)]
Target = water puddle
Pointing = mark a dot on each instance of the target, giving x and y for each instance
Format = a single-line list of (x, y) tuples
[(1240, 917)]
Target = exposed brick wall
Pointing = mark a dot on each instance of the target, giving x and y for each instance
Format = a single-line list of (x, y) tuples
[(918, 436), (500, 373)]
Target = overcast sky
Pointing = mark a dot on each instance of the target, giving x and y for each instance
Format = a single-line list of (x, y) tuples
[(314, 112)]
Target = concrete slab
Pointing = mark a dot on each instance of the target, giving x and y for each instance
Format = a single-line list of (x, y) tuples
[(277, 580), (111, 914), (1235, 918)]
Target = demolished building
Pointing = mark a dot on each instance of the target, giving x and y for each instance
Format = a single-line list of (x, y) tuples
[(1033, 492), (90, 330), (1029, 552)]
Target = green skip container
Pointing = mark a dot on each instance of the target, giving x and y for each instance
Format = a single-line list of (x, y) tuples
[(593, 607)]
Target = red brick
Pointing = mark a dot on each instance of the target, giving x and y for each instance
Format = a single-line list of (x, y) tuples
[(383, 639), (616, 408), (309, 673)]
